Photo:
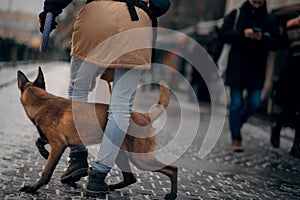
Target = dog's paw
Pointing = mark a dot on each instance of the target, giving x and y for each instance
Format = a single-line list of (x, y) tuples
[(171, 196), (122, 184), (44, 153), (28, 189)]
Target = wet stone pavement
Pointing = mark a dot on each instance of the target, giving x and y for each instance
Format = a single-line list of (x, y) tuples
[(272, 175), (260, 172)]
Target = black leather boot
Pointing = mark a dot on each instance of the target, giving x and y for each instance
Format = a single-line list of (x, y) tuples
[(77, 168), (295, 151), (275, 136), (96, 186)]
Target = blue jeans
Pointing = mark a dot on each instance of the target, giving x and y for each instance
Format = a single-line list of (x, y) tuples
[(240, 110), (124, 87)]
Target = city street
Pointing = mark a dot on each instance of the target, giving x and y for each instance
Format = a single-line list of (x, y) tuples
[(260, 172)]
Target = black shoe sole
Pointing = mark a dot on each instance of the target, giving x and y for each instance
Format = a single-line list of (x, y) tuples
[(238, 150), (96, 194), (75, 176)]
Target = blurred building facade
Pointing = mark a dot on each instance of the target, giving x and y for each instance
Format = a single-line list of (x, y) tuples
[(20, 31), (19, 38)]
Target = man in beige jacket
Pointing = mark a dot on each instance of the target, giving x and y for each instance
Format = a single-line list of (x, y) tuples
[(97, 43)]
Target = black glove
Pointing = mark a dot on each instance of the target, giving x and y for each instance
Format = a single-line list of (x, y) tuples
[(42, 18), (55, 7)]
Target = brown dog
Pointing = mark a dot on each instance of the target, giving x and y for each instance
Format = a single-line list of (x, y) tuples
[(54, 118)]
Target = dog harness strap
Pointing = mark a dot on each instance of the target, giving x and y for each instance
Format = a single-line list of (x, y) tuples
[(130, 4), (131, 8), (140, 4), (133, 14)]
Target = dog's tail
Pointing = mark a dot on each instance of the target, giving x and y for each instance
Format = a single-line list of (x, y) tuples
[(164, 97), (163, 101)]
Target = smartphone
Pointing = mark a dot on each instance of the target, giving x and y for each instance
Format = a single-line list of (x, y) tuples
[(256, 30)]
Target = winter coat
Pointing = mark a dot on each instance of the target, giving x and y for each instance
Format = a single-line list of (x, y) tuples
[(287, 90), (247, 58), (104, 20), (105, 35)]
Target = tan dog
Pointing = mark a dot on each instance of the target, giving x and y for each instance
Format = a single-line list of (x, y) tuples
[(54, 119)]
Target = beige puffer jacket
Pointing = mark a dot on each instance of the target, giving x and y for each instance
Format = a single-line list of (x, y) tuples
[(99, 36)]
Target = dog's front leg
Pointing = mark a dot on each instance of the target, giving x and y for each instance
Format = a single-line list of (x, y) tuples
[(55, 154), (40, 144)]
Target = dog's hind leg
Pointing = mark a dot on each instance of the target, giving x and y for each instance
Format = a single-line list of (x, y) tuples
[(54, 156), (40, 144), (150, 163), (172, 172), (129, 178)]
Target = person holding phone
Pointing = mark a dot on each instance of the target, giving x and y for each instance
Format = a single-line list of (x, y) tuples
[(255, 34)]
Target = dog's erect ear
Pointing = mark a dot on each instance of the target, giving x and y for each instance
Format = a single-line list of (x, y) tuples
[(39, 81), (22, 80)]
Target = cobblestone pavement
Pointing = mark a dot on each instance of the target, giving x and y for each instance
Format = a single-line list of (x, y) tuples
[(261, 172)]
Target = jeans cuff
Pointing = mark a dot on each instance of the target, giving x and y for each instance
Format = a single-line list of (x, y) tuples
[(100, 167)]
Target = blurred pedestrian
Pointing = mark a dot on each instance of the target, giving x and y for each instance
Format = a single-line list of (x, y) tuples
[(288, 92), (96, 22), (255, 34)]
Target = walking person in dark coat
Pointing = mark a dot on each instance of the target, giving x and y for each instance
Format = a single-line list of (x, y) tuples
[(288, 92), (256, 33)]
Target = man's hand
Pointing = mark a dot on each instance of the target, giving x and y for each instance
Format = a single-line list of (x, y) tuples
[(42, 18), (249, 33), (293, 22)]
